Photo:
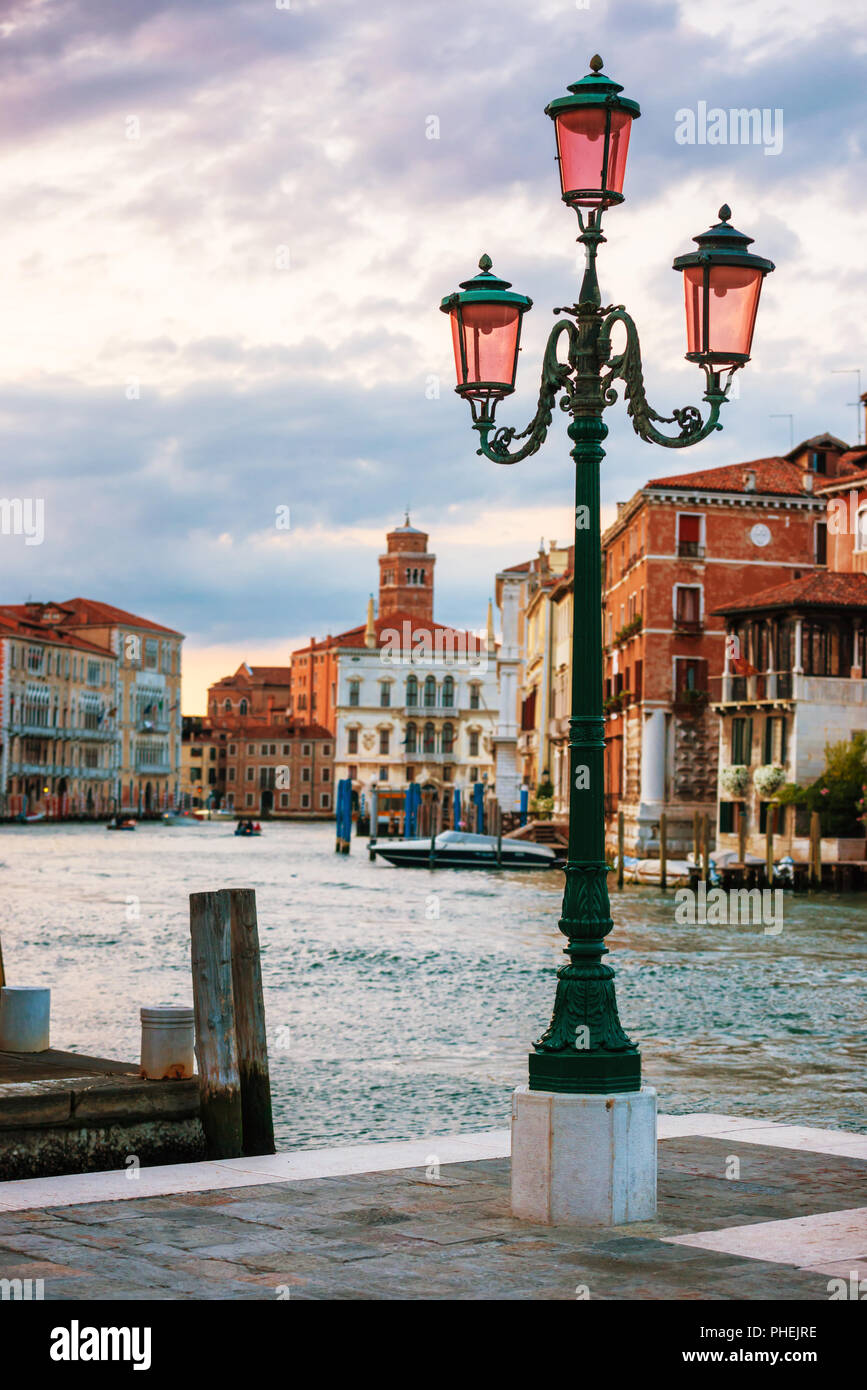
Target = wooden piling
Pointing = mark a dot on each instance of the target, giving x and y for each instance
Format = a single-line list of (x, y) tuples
[(770, 827), (705, 837), (252, 1046), (663, 850), (432, 861), (498, 814), (696, 841), (815, 850), (621, 836), (216, 1049), (2, 971), (742, 833)]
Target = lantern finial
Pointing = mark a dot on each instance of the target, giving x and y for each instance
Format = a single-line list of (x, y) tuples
[(595, 63), (725, 213), (485, 263)]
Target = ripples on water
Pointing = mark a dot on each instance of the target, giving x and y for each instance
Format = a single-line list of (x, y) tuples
[(402, 1003)]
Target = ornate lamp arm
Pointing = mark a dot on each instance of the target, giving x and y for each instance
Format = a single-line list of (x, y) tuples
[(627, 366), (555, 378)]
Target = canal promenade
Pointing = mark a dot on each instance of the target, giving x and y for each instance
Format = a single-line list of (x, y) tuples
[(748, 1209)]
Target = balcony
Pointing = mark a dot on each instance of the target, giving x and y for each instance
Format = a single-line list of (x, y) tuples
[(766, 688), (145, 769), (690, 550), (688, 627), (689, 701)]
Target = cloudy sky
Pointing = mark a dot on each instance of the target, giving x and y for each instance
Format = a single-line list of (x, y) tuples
[(226, 233)]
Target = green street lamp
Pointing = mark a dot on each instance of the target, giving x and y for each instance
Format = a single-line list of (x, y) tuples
[(584, 1049)]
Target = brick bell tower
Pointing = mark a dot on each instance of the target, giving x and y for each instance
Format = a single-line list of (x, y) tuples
[(406, 574)]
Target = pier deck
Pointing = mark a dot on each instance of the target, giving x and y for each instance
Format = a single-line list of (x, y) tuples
[(430, 1220)]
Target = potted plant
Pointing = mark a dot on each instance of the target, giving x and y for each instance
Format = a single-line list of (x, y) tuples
[(768, 779), (734, 780)]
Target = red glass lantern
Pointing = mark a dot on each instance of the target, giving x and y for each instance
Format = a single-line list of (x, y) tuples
[(592, 128), (722, 282), (486, 335)]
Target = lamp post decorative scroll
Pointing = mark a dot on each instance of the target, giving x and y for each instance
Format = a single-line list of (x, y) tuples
[(585, 1050)]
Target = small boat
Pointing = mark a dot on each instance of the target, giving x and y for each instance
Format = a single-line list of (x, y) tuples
[(457, 849), (121, 823), (179, 818), (34, 816), (246, 828)]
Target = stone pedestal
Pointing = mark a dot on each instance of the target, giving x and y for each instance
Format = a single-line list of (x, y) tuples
[(584, 1160)]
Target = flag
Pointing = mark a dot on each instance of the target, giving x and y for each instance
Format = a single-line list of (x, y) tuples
[(742, 666)]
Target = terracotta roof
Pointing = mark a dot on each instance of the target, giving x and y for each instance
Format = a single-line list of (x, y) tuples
[(394, 623), (13, 625), (858, 474), (276, 729), (773, 475), (85, 611), (272, 675), (831, 590)]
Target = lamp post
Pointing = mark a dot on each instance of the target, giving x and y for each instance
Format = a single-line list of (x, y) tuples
[(584, 1053)]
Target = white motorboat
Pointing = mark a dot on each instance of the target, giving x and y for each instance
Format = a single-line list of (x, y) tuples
[(457, 849)]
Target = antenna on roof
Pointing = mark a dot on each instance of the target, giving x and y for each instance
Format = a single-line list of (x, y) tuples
[(791, 420), (852, 371)]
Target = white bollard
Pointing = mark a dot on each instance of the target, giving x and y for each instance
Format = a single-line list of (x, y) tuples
[(167, 1042), (24, 1016)]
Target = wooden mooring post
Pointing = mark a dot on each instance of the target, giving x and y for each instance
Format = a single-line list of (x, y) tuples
[(696, 841), (498, 816), (742, 833), (705, 839), (815, 850), (663, 850), (216, 1048), (257, 1122), (432, 859), (770, 827), (621, 836)]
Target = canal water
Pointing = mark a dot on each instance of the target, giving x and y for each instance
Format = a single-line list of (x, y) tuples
[(401, 1002)]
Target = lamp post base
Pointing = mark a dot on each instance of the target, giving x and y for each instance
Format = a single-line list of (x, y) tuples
[(584, 1160)]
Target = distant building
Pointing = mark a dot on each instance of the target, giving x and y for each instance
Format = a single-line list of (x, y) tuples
[(257, 691), (409, 699), (145, 701), (682, 548), (282, 770)]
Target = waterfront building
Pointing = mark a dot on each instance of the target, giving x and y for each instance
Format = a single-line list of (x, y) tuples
[(146, 697), (59, 739), (203, 763), (534, 582), (510, 585), (793, 682), (680, 549), (283, 769), (408, 698), (254, 691)]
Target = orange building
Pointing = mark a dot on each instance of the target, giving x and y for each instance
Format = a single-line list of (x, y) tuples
[(682, 547)]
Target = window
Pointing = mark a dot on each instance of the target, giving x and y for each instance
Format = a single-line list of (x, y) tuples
[(325, 800), (305, 774), (249, 798), (352, 771), (730, 814), (410, 774), (352, 741), (34, 658), (861, 529), (230, 774), (411, 736), (284, 800), (152, 648), (474, 743), (429, 739), (821, 542), (691, 674), (688, 605), (384, 739), (251, 748), (742, 740), (326, 750), (430, 692), (448, 773), (267, 778), (232, 749), (448, 738), (242, 708), (411, 690), (475, 697), (305, 800), (384, 694), (383, 774), (355, 693), (227, 705), (689, 535), (195, 774), (449, 692), (251, 774), (305, 750), (326, 774)]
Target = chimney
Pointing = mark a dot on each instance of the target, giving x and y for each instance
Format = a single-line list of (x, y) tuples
[(621, 508), (807, 481), (370, 630), (749, 480), (491, 639)]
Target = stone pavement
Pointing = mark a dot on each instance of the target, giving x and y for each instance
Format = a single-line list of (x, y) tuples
[(428, 1232)]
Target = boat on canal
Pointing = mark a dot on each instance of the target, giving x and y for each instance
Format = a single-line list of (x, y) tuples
[(458, 849)]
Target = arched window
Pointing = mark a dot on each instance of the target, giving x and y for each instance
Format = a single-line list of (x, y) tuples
[(430, 692), (861, 529), (242, 708), (430, 739), (409, 576), (422, 576), (227, 705), (448, 738), (449, 692), (415, 576), (412, 690), (411, 737)]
